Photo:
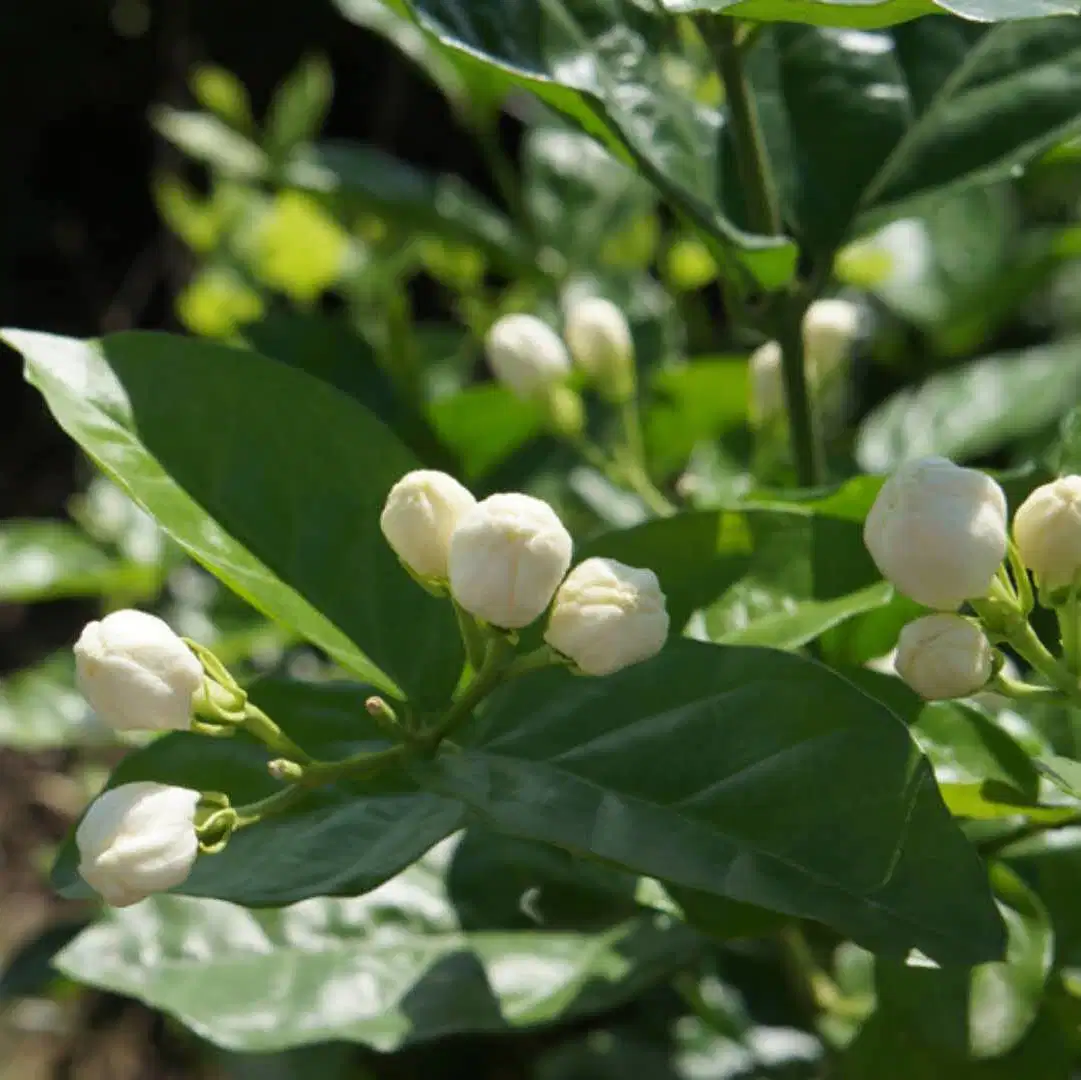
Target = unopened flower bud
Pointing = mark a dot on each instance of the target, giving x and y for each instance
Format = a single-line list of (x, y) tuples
[(137, 673), (937, 531), (829, 328), (1047, 531), (944, 656), (526, 355), (419, 516), (601, 345), (138, 839), (507, 557), (566, 413), (608, 616)]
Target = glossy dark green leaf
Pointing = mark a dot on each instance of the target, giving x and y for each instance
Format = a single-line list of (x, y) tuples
[(969, 411), (987, 1013), (388, 969), (695, 555), (601, 767), (28, 970), (982, 771), (339, 841), (807, 573), (585, 203), (809, 619), (409, 198), (873, 14), (50, 560), (863, 14), (328, 349), (500, 882), (863, 125), (723, 919), (484, 425), (884, 1050), (269, 477), (611, 68), (690, 403)]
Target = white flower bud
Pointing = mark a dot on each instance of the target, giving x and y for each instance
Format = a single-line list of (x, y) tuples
[(419, 516), (829, 328), (1047, 531), (937, 531), (601, 344), (136, 672), (507, 557), (526, 355), (608, 616), (138, 839), (944, 656)]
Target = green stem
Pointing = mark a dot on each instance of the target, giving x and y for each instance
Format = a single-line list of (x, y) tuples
[(316, 775), (473, 637), (257, 724), (1021, 691), (996, 844), (639, 482), (498, 658), (752, 160), (807, 453), (1023, 581)]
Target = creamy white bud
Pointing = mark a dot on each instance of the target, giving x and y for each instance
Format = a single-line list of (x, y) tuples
[(601, 344), (526, 355), (507, 557), (937, 531), (1047, 531), (944, 656), (137, 673), (829, 328), (138, 839), (419, 516), (608, 616)]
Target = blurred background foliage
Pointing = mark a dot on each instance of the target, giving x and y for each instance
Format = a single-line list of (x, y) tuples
[(324, 183)]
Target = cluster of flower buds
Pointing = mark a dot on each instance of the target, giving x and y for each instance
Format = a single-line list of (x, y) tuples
[(137, 674), (535, 363), (940, 534), (505, 559), (829, 328)]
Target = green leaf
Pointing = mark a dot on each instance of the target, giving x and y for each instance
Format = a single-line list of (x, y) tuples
[(52, 560), (328, 349), (691, 403), (615, 70), (807, 572), (500, 882), (484, 425), (802, 795), (211, 141), (40, 709), (364, 176), (695, 555), (863, 126), (390, 969), (863, 14), (28, 971), (584, 202), (808, 620), (269, 477), (985, 1013), (965, 413), (884, 1050), (342, 840), (299, 107)]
